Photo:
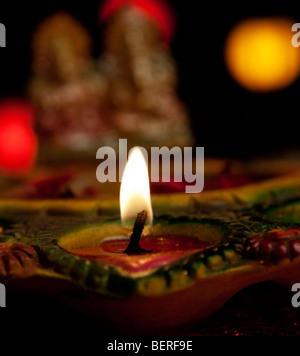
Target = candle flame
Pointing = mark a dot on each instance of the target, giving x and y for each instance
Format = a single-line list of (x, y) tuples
[(135, 188)]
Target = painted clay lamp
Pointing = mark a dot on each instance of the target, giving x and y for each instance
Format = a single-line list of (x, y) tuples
[(247, 235), (126, 249)]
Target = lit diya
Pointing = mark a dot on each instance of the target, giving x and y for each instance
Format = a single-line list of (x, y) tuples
[(143, 248), (141, 278)]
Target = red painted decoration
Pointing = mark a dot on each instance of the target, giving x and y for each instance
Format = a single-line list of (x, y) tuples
[(227, 179), (51, 187), (274, 245)]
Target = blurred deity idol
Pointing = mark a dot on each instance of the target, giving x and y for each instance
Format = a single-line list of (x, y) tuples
[(141, 74), (65, 88), (129, 92)]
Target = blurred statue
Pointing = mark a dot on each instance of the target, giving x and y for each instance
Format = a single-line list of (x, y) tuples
[(130, 92), (141, 75), (65, 88)]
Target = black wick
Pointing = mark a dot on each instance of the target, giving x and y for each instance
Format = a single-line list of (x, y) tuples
[(134, 244)]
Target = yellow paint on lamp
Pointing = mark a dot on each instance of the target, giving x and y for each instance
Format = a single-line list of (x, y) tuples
[(259, 54)]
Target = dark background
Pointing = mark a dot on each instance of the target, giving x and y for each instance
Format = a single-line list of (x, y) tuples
[(227, 120)]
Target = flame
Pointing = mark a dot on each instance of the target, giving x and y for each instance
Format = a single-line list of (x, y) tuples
[(135, 188)]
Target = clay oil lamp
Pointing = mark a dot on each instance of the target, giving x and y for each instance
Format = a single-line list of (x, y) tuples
[(139, 243), (152, 273)]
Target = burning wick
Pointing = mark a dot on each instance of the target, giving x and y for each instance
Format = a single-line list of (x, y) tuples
[(134, 244)]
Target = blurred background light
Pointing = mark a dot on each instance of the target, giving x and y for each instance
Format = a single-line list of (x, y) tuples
[(18, 142), (259, 54)]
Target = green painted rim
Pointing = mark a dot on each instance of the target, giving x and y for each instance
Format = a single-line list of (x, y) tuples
[(107, 279)]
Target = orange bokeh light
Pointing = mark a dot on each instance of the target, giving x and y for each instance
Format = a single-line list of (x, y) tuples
[(259, 54)]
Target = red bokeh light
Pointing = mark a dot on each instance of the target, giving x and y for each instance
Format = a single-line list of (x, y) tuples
[(157, 10), (18, 143)]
